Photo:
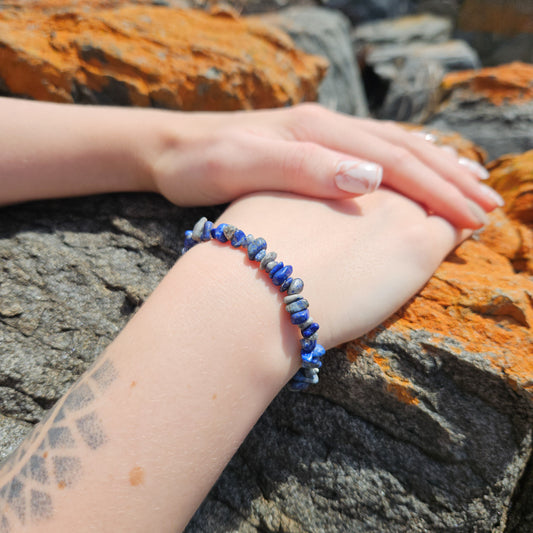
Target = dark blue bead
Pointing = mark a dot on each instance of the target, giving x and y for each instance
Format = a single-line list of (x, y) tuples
[(308, 345), (238, 238), (206, 233), (313, 363), (313, 328), (285, 285), (281, 275), (256, 246), (188, 234), (218, 233), (300, 317), (259, 256), (297, 286), (277, 267), (299, 305)]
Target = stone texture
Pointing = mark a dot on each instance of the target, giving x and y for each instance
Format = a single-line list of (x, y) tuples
[(359, 11), (424, 424), (492, 106), (325, 32), (500, 30), (152, 56)]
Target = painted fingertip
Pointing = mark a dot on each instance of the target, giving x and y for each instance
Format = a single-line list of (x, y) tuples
[(474, 167), (478, 213), (449, 149), (425, 135), (491, 194), (358, 177)]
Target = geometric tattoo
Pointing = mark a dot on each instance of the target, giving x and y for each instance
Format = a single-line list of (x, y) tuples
[(49, 457)]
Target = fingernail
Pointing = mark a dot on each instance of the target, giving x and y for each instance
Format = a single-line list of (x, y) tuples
[(425, 135), (358, 177), (474, 167), (449, 149), (478, 212), (490, 193)]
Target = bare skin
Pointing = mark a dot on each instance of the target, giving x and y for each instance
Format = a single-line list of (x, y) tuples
[(137, 443)]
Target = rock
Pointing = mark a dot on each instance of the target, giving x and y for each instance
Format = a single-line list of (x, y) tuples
[(359, 11), (492, 106), (423, 424), (403, 30), (500, 31), (404, 60), (451, 55), (152, 56), (325, 32)]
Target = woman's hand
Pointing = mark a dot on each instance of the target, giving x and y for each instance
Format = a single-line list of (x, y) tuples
[(360, 259), (211, 158)]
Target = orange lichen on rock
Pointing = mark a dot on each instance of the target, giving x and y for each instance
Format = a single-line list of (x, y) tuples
[(511, 83), (478, 302), (152, 56)]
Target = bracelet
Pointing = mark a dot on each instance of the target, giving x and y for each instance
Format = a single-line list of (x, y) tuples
[(297, 306)]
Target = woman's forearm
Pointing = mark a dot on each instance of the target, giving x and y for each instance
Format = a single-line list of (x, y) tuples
[(54, 150), (153, 423)]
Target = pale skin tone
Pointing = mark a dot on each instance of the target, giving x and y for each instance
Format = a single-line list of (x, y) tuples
[(168, 386)]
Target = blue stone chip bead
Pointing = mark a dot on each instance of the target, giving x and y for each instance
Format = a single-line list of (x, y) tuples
[(275, 268), (198, 230), (299, 305), (218, 233), (260, 255), (238, 238), (291, 298), (308, 345), (255, 247), (300, 317), (206, 233), (285, 285), (296, 286), (310, 330), (248, 240), (281, 275)]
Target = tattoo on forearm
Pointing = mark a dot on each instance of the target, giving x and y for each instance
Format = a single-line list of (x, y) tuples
[(49, 457)]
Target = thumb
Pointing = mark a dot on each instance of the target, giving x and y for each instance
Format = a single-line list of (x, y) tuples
[(310, 169)]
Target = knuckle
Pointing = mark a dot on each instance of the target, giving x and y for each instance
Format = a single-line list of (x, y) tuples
[(296, 163), (400, 157)]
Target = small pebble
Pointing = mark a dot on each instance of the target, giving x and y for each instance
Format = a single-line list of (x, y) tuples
[(291, 298), (297, 286), (281, 275), (270, 256), (300, 317), (307, 323), (255, 247), (198, 229), (229, 231), (249, 240), (299, 305), (206, 233), (238, 238)]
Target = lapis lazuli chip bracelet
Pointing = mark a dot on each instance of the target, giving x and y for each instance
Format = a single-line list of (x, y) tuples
[(295, 304)]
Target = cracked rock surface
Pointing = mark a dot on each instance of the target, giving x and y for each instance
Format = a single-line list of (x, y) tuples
[(423, 424)]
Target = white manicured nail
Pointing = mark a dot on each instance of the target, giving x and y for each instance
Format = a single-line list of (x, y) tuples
[(478, 212), (474, 167), (425, 135), (492, 194), (358, 177), (449, 149)]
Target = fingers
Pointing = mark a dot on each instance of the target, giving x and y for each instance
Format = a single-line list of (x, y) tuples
[(411, 165)]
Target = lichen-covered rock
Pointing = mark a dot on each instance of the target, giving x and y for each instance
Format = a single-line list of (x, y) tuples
[(152, 56), (491, 106)]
